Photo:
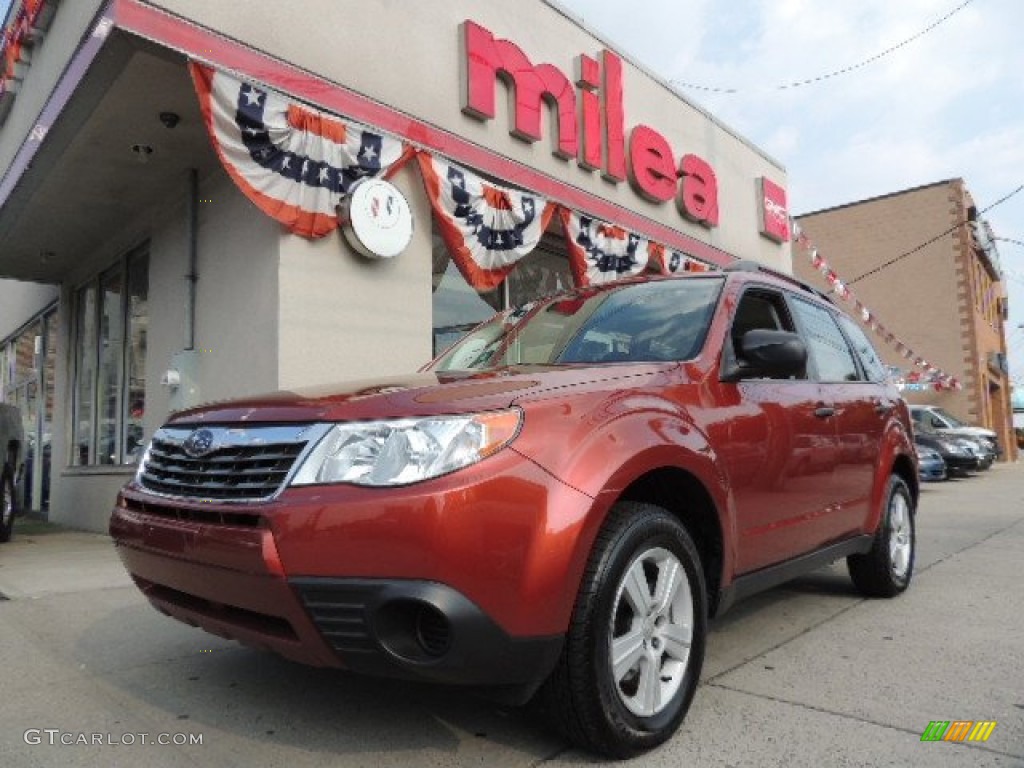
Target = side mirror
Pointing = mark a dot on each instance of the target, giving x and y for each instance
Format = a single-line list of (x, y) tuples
[(765, 354)]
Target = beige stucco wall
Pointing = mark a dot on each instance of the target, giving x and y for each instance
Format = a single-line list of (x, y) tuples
[(418, 71), (343, 316)]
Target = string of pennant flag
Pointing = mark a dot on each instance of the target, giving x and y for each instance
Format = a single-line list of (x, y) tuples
[(929, 373)]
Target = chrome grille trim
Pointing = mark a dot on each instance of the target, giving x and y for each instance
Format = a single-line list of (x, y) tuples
[(243, 464)]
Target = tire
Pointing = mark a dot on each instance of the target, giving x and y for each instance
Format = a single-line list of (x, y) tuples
[(622, 711), (887, 569), (6, 507)]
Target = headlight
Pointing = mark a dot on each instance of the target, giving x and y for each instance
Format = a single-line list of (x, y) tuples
[(957, 448), (404, 451)]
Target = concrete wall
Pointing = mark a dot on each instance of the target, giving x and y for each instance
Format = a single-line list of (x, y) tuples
[(21, 301), (343, 316), (419, 70)]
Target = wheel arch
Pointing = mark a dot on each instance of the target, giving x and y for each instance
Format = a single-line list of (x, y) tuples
[(684, 496), (904, 467)]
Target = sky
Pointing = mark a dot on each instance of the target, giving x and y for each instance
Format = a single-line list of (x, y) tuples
[(948, 104)]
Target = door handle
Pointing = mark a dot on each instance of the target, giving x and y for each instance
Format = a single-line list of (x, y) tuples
[(824, 412)]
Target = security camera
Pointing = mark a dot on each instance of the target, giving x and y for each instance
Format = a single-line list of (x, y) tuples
[(170, 119)]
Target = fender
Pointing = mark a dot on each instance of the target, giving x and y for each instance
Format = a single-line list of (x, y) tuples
[(617, 437)]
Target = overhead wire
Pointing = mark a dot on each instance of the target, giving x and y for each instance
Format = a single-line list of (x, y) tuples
[(939, 236), (838, 72)]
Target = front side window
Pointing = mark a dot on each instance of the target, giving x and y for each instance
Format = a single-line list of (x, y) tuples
[(111, 319), (665, 320), (826, 344)]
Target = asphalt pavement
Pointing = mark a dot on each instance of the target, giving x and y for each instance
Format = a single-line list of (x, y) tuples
[(809, 674)]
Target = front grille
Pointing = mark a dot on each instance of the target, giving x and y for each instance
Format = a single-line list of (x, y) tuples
[(193, 515), (239, 464)]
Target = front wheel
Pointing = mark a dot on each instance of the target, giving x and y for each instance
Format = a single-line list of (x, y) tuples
[(886, 570), (6, 507), (635, 647)]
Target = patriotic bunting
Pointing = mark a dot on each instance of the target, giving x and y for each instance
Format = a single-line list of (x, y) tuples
[(932, 375), (487, 228), (670, 262), (600, 252), (295, 163)]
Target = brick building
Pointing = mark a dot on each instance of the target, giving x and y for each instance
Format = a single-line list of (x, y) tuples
[(925, 263)]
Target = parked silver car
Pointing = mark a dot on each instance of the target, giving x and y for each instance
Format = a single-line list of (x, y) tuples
[(943, 422)]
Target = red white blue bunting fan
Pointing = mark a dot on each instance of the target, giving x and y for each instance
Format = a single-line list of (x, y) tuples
[(487, 228), (601, 252), (295, 163), (670, 262)]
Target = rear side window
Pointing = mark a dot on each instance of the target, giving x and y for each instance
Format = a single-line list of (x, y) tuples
[(826, 344), (865, 351)]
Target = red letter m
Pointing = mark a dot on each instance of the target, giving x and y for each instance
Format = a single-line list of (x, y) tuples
[(487, 59)]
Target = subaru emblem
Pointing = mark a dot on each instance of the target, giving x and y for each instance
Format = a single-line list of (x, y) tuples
[(199, 443)]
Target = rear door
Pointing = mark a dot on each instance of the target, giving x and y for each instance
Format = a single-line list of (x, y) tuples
[(859, 410)]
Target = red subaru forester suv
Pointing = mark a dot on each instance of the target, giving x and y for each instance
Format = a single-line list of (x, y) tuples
[(552, 509)]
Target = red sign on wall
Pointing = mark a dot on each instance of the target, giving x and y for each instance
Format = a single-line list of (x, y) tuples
[(597, 137), (773, 213)]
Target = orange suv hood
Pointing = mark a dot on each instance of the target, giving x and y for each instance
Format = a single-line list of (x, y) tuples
[(419, 394)]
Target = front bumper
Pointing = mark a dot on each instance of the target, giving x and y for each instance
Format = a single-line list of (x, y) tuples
[(469, 579)]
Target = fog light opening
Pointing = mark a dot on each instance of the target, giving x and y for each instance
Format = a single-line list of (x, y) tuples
[(433, 631)]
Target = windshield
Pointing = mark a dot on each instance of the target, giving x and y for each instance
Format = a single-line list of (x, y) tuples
[(654, 321), (954, 422)]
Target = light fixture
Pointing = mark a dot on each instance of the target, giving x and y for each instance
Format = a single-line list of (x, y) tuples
[(170, 119), (142, 152)]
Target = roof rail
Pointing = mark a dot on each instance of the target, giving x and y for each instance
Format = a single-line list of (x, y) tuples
[(749, 265)]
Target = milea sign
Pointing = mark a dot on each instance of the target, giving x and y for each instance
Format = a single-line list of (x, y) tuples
[(591, 127)]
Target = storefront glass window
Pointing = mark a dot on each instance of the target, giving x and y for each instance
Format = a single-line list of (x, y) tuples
[(458, 307), (27, 363), (111, 343), (110, 371)]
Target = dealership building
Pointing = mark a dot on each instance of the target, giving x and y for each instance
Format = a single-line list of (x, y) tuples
[(202, 200)]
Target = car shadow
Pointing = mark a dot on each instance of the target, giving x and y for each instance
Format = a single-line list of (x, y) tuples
[(259, 696)]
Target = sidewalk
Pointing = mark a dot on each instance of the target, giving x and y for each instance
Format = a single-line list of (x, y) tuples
[(49, 560)]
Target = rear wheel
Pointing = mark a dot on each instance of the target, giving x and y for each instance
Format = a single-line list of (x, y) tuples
[(634, 650), (6, 507), (886, 570)]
